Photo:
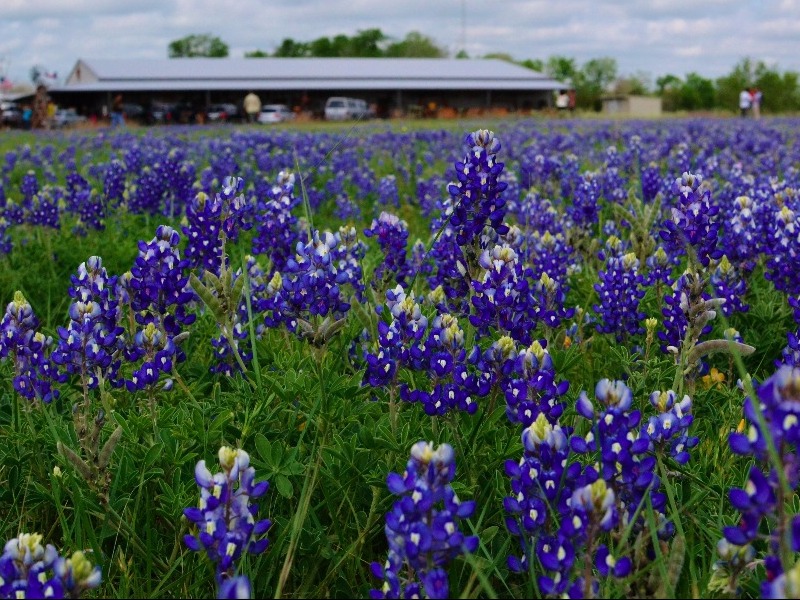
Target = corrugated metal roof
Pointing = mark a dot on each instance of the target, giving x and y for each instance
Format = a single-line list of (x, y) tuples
[(307, 84), (304, 73)]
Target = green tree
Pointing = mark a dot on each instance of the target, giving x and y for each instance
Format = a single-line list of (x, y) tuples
[(669, 88), (256, 54), (592, 81), (367, 43), (500, 55), (667, 82), (198, 45), (729, 86), (638, 84), (292, 49), (780, 91), (561, 68), (697, 93), (534, 64), (415, 45)]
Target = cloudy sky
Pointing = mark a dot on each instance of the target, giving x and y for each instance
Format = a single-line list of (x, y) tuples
[(650, 37)]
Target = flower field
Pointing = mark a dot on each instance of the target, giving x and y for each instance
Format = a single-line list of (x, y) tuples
[(534, 359)]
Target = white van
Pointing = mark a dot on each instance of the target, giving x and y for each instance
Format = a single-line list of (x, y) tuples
[(339, 108)]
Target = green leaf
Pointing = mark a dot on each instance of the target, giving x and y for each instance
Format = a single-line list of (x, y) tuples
[(153, 454), (264, 448), (284, 486), (276, 455), (123, 422)]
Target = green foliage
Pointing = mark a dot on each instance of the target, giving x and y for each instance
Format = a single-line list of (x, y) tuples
[(326, 443), (198, 45), (415, 45)]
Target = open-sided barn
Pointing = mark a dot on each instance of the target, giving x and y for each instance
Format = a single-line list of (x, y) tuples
[(393, 86)]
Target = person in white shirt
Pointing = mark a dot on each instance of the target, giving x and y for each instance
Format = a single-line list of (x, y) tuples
[(745, 102), (252, 106)]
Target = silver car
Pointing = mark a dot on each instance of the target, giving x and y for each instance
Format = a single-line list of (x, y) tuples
[(275, 113)]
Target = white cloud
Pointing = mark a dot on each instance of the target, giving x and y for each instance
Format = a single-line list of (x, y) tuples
[(660, 36)]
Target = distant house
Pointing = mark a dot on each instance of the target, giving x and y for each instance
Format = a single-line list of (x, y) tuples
[(632, 106), (392, 85)]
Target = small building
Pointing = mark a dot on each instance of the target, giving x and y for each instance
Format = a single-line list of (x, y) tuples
[(394, 86), (632, 106)]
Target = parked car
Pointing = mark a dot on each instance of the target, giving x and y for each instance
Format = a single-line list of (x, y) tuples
[(170, 113), (338, 108), (67, 117), (10, 114), (275, 113), (221, 113), (133, 111)]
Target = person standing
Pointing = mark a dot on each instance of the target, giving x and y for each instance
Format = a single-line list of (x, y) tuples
[(252, 106), (40, 100), (117, 118), (755, 95), (562, 101), (745, 102)]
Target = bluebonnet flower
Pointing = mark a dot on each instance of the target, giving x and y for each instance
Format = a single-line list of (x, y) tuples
[(443, 357), (477, 195), (90, 344), (224, 517), (29, 186), (33, 372), (387, 191), (791, 353), (732, 563), (774, 417), (784, 234), (396, 339), (585, 210), (159, 294), (235, 588), (114, 181), (624, 462), (729, 285), (541, 479), (214, 221), (6, 245), (742, 232), (30, 570), (551, 254), (549, 296), (422, 528), (43, 208), (276, 226), (450, 272), (391, 233), (693, 226), (501, 299), (659, 269), (83, 201), (651, 181), (531, 388), (312, 281), (621, 289), (687, 292), (564, 513), (669, 428)]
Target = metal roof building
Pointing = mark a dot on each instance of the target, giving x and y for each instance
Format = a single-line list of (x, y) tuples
[(394, 85)]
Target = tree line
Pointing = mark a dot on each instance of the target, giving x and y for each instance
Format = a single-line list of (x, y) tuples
[(591, 80)]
